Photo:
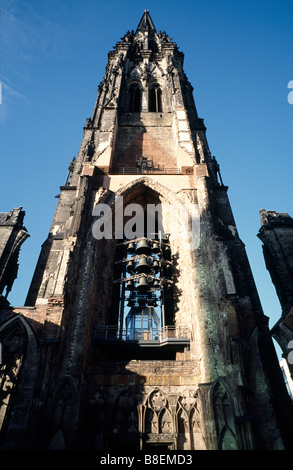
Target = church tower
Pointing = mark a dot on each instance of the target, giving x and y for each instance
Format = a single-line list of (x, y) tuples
[(148, 330)]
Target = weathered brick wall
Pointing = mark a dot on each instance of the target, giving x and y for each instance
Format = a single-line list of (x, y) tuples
[(147, 145), (145, 134), (45, 320)]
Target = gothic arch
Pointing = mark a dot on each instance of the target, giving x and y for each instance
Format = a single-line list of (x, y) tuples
[(159, 189), (148, 193), (134, 96), (190, 424), (153, 192), (155, 98), (224, 415), (60, 412), (124, 413), (203, 417), (129, 190), (96, 419), (176, 210), (124, 421), (158, 420), (182, 422), (58, 441), (18, 343)]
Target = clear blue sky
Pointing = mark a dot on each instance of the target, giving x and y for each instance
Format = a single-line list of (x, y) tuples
[(238, 57)]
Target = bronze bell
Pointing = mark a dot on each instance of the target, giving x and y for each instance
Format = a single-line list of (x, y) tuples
[(156, 283), (156, 247), (130, 285), (130, 266), (131, 303), (143, 247), (143, 283), (131, 248), (167, 249), (168, 270), (143, 266), (156, 266)]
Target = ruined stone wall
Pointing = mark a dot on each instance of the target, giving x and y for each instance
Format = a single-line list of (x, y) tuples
[(154, 399), (276, 233), (12, 235)]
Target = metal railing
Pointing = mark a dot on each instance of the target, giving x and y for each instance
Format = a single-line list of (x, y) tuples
[(111, 333), (144, 171)]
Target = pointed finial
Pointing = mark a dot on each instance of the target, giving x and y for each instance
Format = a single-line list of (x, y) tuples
[(146, 22)]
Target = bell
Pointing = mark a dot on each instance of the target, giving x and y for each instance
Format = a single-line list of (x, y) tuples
[(130, 267), (142, 302), (156, 266), (130, 285), (143, 266), (167, 249), (143, 247), (131, 248), (143, 283), (156, 283), (168, 270), (156, 247)]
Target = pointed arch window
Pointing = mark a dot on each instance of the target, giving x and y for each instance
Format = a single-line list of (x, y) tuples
[(14, 341), (224, 418), (144, 284), (134, 99), (143, 295), (155, 99)]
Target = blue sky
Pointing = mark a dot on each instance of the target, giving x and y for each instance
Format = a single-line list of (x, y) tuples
[(238, 57)]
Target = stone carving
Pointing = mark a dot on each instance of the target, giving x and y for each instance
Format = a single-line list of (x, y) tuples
[(63, 407), (125, 417), (157, 401), (12, 355), (224, 417)]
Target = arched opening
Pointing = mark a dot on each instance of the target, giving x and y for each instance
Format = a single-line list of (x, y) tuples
[(141, 269), (13, 341), (124, 434), (144, 267), (18, 345), (134, 98), (155, 99), (159, 423), (224, 418)]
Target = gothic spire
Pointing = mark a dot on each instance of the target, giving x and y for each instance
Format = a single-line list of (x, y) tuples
[(146, 23)]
